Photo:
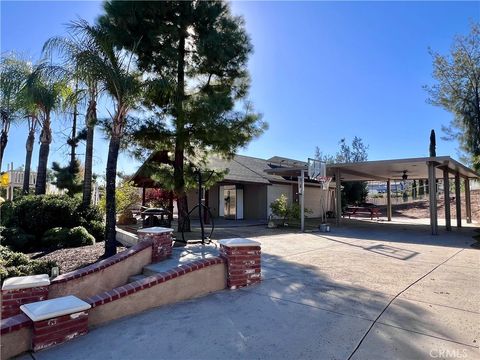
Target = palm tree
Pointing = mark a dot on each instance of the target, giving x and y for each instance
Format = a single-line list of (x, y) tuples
[(46, 93), (70, 49), (30, 113), (114, 70), (13, 73)]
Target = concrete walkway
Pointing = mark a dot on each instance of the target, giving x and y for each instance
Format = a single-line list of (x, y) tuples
[(355, 293)]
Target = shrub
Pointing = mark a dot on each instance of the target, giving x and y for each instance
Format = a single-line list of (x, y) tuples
[(96, 229), (61, 237), (33, 215), (55, 237), (79, 236), (126, 195), (280, 207), (37, 214), (6, 213), (17, 239), (18, 264)]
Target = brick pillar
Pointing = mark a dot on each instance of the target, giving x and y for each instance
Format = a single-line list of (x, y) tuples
[(59, 329), (57, 320), (243, 258), (161, 241), (20, 290)]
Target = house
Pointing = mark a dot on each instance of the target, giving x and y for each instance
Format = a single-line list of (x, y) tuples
[(247, 190)]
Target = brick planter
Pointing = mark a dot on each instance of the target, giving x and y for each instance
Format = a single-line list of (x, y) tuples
[(161, 241), (57, 320), (243, 258), (22, 290)]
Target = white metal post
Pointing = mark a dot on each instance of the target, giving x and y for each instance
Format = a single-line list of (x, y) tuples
[(468, 202), (446, 196), (432, 192), (338, 194), (458, 200), (389, 201), (302, 200)]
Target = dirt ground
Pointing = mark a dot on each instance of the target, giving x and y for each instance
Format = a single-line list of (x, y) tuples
[(420, 209)]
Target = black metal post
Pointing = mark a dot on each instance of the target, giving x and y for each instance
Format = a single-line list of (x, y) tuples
[(200, 217)]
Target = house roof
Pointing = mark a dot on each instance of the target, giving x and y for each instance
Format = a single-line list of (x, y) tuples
[(246, 169), (241, 169)]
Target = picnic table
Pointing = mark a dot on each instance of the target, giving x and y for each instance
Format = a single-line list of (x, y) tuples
[(365, 209)]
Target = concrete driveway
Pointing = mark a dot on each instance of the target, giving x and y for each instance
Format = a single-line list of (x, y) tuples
[(359, 292)]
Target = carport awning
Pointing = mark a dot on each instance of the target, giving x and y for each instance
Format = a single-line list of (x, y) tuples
[(415, 168)]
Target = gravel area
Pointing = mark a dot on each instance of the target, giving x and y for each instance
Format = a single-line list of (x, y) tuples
[(74, 258)]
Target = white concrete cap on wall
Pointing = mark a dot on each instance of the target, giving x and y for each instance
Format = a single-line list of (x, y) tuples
[(48, 309), (238, 242), (155, 230), (26, 282)]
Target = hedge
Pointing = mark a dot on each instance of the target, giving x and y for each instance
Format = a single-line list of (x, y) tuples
[(27, 219)]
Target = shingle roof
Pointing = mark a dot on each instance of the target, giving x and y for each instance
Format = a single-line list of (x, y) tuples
[(245, 169)]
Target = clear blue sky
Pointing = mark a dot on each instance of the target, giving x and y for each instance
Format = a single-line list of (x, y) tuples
[(321, 71)]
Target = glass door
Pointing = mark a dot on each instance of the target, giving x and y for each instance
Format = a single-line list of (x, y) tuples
[(230, 202)]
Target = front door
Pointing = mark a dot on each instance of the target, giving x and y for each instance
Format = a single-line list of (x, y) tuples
[(230, 202)]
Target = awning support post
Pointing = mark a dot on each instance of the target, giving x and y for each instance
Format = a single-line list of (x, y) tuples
[(389, 201), (302, 200), (446, 196), (432, 193), (468, 202), (338, 193), (458, 200)]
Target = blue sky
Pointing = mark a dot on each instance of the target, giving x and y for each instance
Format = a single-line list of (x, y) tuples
[(321, 71)]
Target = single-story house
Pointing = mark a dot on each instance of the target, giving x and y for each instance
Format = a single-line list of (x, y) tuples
[(247, 190)]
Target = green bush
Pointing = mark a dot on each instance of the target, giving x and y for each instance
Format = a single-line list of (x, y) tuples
[(36, 214), (79, 236), (17, 239), (55, 237), (280, 207), (18, 264), (6, 213), (97, 230), (61, 237)]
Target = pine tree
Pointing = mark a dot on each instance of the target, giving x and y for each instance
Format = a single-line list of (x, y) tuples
[(195, 53)]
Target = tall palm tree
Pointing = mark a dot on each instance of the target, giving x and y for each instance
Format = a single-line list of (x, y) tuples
[(30, 112), (117, 77), (13, 73), (70, 49), (46, 93)]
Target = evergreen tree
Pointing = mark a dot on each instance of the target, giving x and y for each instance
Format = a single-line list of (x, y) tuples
[(195, 54), (457, 90), (433, 144)]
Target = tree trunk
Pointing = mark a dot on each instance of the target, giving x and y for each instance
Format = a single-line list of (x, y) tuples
[(178, 174), (87, 177), (73, 143), (111, 213), (3, 145), (182, 204), (28, 161), (45, 140)]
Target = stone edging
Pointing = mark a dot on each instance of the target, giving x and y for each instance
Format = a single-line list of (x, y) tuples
[(150, 281), (102, 264)]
